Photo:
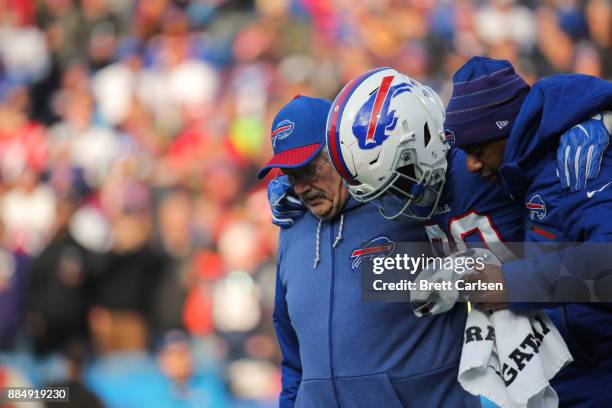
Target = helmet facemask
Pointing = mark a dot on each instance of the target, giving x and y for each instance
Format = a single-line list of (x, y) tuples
[(413, 191)]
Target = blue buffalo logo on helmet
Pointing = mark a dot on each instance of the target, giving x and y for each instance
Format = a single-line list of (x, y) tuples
[(536, 207), (374, 119), (380, 246), (282, 131)]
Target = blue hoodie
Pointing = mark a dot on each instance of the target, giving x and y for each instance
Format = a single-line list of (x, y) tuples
[(341, 352), (553, 214)]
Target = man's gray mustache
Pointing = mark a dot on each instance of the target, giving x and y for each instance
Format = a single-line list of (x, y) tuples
[(312, 196)]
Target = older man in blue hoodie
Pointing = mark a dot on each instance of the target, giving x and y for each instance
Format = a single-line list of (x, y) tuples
[(338, 351), (511, 132)]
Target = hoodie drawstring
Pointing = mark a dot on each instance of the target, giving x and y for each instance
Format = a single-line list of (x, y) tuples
[(318, 245), (318, 240), (339, 236)]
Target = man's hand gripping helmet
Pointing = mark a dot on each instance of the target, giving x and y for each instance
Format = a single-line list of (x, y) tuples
[(385, 137)]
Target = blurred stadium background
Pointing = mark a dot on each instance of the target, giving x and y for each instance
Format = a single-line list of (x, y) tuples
[(137, 253)]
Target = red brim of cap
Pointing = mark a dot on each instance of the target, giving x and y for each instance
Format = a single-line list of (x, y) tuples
[(291, 158)]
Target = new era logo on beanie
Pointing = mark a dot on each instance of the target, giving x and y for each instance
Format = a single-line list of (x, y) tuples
[(501, 124), (487, 96), (298, 133)]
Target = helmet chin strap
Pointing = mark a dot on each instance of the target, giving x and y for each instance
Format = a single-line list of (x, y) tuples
[(417, 191)]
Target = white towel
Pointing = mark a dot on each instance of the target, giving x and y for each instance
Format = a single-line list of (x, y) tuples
[(508, 357)]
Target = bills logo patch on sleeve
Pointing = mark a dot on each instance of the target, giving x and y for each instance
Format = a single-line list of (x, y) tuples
[(536, 207)]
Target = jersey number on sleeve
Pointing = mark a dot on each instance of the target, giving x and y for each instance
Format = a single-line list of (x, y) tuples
[(466, 225)]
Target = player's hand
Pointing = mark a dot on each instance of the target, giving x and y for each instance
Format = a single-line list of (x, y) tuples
[(581, 150), (286, 206), (487, 299)]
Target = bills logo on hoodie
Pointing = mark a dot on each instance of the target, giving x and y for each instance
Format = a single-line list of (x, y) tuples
[(282, 131), (380, 246), (536, 207), (376, 117)]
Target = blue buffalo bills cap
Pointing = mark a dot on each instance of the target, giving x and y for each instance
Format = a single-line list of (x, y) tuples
[(487, 97), (298, 133)]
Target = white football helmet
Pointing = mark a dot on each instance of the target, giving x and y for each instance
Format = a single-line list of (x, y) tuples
[(385, 137)]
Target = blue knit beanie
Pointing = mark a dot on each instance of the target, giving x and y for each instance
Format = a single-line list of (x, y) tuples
[(487, 96)]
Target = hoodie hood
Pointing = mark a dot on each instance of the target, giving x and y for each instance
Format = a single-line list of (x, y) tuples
[(554, 105)]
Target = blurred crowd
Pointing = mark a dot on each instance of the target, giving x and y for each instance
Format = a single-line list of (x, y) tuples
[(136, 249)]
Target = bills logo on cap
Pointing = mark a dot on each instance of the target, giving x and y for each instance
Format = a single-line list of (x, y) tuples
[(536, 207), (380, 246), (449, 137), (374, 120), (282, 131)]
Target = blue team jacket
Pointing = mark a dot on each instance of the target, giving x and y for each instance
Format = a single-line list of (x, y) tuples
[(554, 105), (340, 352)]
